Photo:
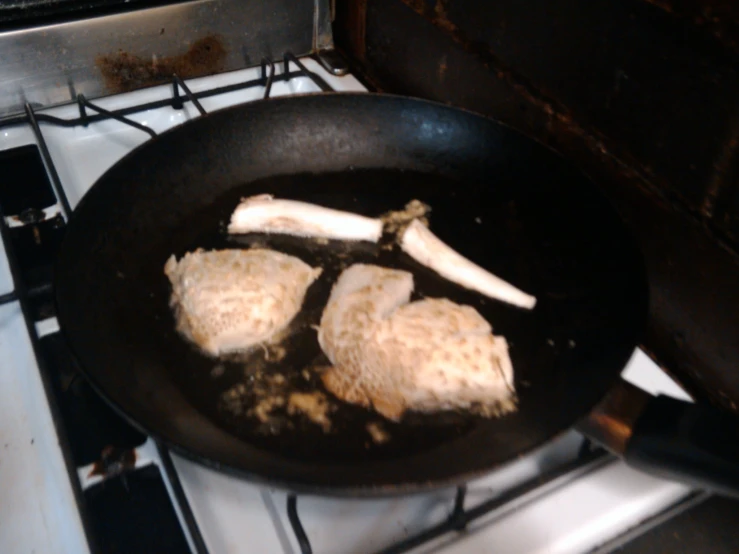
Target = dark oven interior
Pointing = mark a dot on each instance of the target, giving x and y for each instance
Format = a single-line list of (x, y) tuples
[(642, 94)]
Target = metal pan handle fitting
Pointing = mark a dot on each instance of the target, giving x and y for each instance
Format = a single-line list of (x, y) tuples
[(696, 444)]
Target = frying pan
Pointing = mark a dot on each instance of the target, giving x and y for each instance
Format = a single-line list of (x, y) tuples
[(499, 198)]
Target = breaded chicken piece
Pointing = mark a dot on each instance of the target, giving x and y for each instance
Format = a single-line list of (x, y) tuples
[(229, 300), (362, 297), (428, 355)]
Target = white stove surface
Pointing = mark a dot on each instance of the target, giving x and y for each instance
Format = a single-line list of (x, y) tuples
[(37, 507)]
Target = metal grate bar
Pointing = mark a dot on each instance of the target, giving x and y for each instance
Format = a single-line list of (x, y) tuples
[(56, 183), (459, 518), (317, 80), (268, 78), (8, 297), (182, 501), (177, 84), (85, 103), (300, 534)]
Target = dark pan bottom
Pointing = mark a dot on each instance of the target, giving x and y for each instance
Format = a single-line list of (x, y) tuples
[(223, 390)]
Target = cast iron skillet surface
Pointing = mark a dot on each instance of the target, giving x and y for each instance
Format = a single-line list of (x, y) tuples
[(500, 199)]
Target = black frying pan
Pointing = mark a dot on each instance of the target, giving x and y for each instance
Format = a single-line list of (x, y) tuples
[(499, 198)]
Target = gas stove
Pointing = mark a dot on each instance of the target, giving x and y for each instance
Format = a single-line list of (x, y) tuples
[(75, 477)]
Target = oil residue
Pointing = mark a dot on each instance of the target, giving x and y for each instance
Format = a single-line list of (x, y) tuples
[(273, 400)]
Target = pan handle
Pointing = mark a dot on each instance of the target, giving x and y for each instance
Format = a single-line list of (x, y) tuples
[(697, 444)]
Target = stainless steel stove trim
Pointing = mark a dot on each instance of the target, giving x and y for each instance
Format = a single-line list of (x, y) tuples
[(51, 64), (323, 35), (332, 62), (323, 38)]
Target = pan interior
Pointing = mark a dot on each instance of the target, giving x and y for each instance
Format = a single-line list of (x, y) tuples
[(493, 231), (223, 390)]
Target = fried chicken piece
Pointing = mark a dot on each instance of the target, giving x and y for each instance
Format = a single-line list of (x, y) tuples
[(395, 355), (230, 300)]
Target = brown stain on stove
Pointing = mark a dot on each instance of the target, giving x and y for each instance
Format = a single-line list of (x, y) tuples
[(123, 71), (113, 461)]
